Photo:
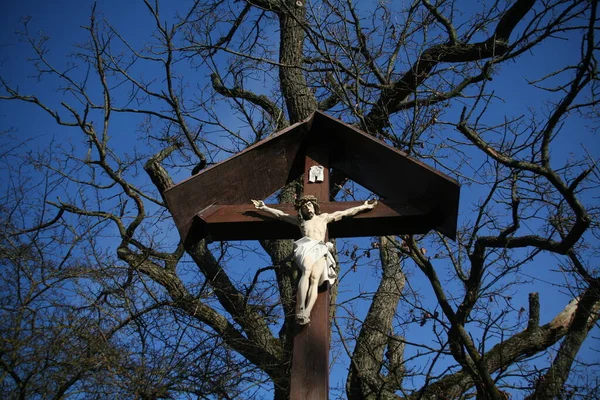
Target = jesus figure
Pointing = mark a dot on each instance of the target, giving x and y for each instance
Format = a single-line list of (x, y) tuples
[(311, 254)]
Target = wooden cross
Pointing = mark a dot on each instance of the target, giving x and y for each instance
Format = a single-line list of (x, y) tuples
[(310, 359), (216, 203)]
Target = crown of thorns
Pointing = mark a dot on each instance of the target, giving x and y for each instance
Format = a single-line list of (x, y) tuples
[(307, 199)]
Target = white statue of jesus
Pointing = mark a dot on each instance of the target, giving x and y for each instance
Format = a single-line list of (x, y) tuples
[(311, 254)]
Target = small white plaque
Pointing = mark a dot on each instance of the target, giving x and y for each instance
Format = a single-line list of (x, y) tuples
[(315, 174)]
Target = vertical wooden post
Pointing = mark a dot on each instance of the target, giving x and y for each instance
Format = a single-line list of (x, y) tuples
[(310, 362)]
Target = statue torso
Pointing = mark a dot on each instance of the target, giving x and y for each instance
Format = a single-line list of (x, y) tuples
[(315, 228)]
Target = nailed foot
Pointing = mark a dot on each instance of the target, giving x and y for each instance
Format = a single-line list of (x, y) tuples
[(302, 319)]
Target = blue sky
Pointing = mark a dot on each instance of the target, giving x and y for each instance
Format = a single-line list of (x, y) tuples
[(61, 20)]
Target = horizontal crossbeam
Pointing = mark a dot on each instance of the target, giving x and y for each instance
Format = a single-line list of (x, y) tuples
[(244, 222)]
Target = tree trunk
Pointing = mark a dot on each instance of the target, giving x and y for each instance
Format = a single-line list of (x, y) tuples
[(299, 99)]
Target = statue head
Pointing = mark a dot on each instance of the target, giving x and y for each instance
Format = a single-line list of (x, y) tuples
[(305, 205)]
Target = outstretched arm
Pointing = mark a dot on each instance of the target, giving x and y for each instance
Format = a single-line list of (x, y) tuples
[(336, 216), (260, 205)]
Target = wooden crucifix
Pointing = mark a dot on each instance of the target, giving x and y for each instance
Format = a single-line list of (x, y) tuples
[(310, 359), (216, 203), (312, 254)]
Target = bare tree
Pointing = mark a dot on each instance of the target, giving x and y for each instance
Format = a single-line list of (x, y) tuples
[(146, 315), (75, 322)]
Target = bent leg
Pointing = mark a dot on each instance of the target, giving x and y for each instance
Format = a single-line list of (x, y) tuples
[(313, 289), (302, 317), (301, 296)]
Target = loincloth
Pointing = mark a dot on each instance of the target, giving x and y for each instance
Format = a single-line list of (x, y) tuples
[(310, 249)]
